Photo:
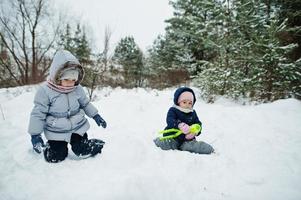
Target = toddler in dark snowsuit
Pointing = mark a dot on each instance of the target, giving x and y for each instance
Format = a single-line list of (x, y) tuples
[(181, 123)]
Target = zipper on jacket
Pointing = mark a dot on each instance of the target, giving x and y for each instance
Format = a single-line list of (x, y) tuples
[(69, 112)]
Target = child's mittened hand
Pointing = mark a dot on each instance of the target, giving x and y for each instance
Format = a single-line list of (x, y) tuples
[(184, 128), (190, 136), (37, 143), (100, 121)]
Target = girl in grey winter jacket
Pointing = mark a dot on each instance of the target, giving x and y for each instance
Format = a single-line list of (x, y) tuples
[(60, 106)]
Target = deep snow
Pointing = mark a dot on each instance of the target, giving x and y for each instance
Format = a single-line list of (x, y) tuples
[(258, 152)]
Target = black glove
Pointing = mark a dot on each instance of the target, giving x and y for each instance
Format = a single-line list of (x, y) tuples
[(100, 121), (37, 143)]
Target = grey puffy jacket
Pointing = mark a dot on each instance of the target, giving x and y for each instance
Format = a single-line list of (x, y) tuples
[(57, 114)]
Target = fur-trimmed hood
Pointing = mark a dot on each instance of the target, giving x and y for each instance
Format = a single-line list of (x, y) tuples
[(64, 59)]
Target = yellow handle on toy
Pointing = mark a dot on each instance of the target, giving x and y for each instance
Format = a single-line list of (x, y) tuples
[(195, 128)]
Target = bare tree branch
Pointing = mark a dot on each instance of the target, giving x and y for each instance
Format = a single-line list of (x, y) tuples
[(21, 36), (11, 50), (8, 67)]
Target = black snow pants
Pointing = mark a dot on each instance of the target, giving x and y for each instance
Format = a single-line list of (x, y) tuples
[(57, 151)]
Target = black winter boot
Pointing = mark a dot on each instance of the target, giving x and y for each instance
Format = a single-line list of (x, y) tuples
[(55, 151), (95, 146), (83, 147)]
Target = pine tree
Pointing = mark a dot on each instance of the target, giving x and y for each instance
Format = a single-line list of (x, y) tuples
[(77, 44), (250, 61), (273, 71), (130, 57), (231, 48), (160, 58), (290, 11), (222, 73), (83, 49), (296, 80), (190, 32), (66, 39)]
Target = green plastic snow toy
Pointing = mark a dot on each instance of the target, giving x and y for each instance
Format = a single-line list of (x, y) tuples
[(194, 129)]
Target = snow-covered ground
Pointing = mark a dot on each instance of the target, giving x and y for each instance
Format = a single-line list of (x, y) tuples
[(258, 152)]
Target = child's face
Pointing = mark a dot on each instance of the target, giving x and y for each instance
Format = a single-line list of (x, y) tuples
[(68, 82), (187, 104)]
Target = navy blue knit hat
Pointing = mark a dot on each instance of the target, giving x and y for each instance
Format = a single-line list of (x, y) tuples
[(179, 91)]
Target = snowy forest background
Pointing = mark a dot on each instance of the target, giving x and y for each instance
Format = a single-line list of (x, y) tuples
[(234, 48)]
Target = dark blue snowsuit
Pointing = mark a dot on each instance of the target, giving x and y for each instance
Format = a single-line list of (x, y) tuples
[(173, 119)]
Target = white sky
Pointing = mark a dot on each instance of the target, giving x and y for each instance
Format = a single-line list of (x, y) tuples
[(143, 19)]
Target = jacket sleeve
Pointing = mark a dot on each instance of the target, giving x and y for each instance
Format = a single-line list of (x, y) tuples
[(171, 119), (85, 104), (197, 121), (39, 112)]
